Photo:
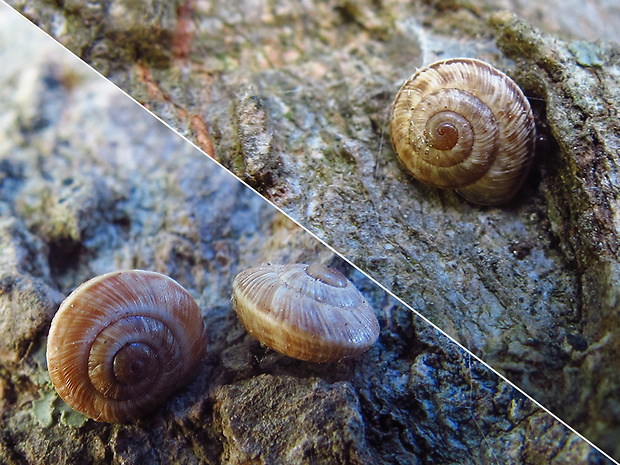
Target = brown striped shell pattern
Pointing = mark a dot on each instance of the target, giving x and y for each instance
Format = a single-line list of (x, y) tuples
[(308, 312), (462, 124), (122, 342)]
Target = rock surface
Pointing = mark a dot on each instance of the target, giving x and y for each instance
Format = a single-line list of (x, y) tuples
[(89, 186)]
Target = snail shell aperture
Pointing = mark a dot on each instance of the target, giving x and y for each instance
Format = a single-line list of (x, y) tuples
[(122, 342), (308, 312), (462, 124)]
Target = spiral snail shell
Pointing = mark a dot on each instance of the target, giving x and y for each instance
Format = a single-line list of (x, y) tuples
[(122, 342), (308, 312), (462, 124)]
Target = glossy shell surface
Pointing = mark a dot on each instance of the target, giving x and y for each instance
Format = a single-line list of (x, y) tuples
[(308, 312), (122, 342), (462, 124)]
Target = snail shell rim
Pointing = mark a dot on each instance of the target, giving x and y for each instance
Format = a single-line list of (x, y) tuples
[(64, 358), (514, 159), (280, 328)]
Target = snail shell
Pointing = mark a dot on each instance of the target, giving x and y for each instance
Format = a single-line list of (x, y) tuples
[(310, 313), (462, 124), (122, 342)]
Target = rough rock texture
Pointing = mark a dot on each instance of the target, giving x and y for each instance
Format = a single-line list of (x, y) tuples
[(302, 117), (580, 84), (90, 184)]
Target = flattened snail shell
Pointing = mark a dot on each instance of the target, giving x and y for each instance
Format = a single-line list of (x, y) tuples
[(311, 313), (462, 124), (122, 342)]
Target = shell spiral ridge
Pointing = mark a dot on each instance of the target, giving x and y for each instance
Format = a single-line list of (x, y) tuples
[(462, 124), (122, 342), (320, 317)]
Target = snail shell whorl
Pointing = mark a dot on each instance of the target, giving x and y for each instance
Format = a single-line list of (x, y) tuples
[(311, 313), (462, 124), (122, 342)]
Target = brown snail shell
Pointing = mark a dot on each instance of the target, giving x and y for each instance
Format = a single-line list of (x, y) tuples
[(308, 312), (122, 342), (462, 124)]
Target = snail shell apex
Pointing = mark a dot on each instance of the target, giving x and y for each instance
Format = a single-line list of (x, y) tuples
[(462, 124), (122, 342), (308, 312)]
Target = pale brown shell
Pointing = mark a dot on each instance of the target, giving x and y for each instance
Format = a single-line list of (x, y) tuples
[(308, 312), (462, 124), (122, 342)]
